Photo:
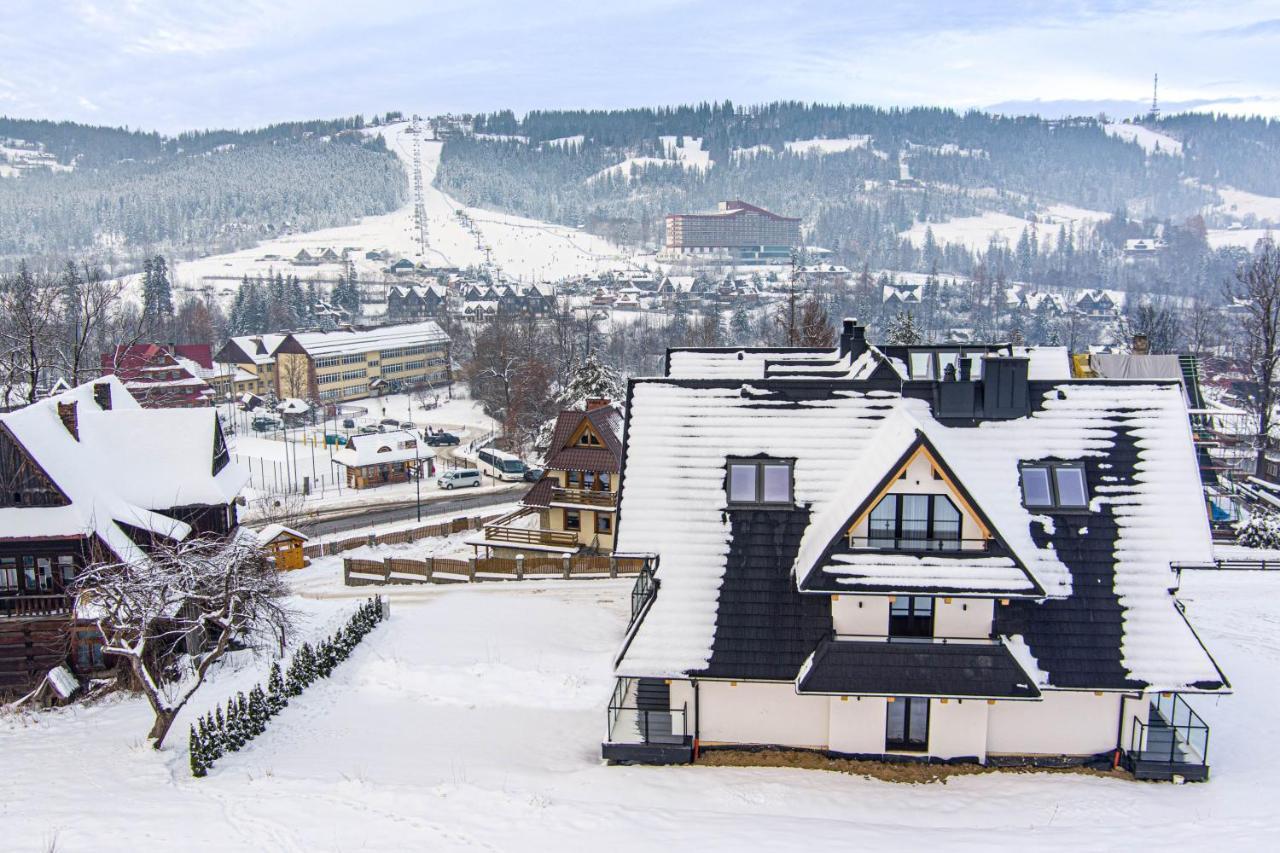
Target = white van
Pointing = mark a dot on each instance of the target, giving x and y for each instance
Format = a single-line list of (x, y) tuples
[(458, 478)]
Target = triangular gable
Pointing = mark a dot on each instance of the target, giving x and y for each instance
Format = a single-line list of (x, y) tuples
[(585, 427), (893, 469)]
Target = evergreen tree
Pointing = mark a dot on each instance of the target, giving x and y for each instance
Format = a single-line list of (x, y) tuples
[(197, 754), (222, 744), (157, 294), (902, 329), (277, 697), (211, 738), (740, 325)]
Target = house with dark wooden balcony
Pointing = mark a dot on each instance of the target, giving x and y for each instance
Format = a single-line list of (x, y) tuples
[(902, 553), (574, 507), (89, 475)]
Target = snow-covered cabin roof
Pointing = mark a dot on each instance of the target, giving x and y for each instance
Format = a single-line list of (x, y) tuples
[(126, 465), (382, 447), (1107, 619), (272, 532)]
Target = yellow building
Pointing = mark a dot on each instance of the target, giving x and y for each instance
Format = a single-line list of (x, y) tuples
[(285, 546), (330, 367)]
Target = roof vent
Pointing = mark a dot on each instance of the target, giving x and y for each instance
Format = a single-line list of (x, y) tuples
[(853, 338), (1005, 392), (102, 395)]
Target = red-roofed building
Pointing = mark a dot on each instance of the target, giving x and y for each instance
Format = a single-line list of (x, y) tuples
[(735, 231), (163, 376)]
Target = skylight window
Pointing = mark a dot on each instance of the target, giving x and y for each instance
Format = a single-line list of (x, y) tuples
[(760, 482), (1056, 486)]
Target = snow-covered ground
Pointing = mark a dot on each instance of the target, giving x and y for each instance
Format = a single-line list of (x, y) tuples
[(527, 249), (472, 718), (1245, 237), (975, 232), (1150, 140), (1240, 203), (828, 146)]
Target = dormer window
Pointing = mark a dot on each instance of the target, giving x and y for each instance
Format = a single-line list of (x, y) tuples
[(914, 523), (760, 482), (1055, 486)]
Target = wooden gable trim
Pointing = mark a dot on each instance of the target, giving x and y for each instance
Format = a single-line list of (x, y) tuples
[(23, 455), (583, 428), (921, 447)]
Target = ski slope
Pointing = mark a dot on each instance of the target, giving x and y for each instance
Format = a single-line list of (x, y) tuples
[(526, 249)]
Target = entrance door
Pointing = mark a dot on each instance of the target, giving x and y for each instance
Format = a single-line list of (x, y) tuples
[(907, 724)]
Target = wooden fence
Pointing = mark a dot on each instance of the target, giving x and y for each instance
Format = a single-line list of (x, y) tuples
[(357, 572), (413, 534)]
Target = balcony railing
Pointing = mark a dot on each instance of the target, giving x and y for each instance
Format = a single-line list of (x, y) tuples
[(35, 605), (584, 497), (1173, 733), (631, 724), (889, 542), (646, 587), (526, 536)]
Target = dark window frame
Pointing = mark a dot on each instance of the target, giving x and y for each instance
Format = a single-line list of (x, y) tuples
[(760, 463), (908, 742), (931, 533), (576, 515), (605, 521), (1055, 499), (918, 619)]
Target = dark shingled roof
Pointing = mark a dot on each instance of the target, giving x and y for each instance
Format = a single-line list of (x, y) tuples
[(540, 494), (607, 423), (906, 668), (764, 628)]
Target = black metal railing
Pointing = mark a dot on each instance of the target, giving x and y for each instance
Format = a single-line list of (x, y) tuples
[(629, 723), (644, 589), (889, 542), (1173, 733)]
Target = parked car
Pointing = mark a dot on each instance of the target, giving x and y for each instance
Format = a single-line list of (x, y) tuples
[(369, 430), (390, 422), (532, 475), (441, 439), (409, 425), (266, 423), (458, 478), (348, 423)]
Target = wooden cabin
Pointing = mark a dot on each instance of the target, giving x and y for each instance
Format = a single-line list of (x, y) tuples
[(285, 546), (379, 459)]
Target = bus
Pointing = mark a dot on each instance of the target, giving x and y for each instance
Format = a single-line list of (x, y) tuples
[(495, 463)]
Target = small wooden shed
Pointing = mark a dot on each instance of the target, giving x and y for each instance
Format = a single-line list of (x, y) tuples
[(284, 545)]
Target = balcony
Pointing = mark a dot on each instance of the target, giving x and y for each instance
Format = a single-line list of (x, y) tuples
[(25, 606), (1173, 742), (583, 497), (517, 536), (643, 728), (890, 542)]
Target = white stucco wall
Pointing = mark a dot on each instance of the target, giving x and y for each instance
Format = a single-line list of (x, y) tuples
[(857, 725), (759, 713), (1063, 723), (963, 617), (866, 615), (958, 728)]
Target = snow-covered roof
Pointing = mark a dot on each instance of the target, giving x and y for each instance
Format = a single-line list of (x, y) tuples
[(272, 532), (747, 363), (128, 465), (382, 447), (1146, 511), (410, 334)]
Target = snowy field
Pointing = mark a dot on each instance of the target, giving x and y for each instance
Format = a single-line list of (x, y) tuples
[(527, 249), (472, 719), (1150, 140), (1244, 237)]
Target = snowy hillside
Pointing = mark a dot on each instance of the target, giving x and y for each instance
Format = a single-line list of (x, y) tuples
[(1151, 141), (522, 248)]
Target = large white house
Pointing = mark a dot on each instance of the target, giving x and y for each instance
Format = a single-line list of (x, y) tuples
[(929, 552)]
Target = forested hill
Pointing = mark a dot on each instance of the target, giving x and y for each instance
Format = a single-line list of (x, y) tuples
[(129, 193), (840, 167)]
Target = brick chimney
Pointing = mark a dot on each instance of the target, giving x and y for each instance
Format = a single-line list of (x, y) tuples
[(1141, 344), (67, 414), (102, 395), (597, 403)]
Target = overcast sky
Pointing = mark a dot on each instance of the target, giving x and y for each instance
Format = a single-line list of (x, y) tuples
[(219, 63)]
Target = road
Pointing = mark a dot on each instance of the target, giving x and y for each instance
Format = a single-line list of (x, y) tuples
[(358, 518)]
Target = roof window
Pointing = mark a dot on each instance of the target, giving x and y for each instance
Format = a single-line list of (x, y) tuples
[(1055, 486), (760, 482)]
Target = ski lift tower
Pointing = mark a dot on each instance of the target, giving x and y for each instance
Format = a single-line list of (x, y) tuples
[(419, 203)]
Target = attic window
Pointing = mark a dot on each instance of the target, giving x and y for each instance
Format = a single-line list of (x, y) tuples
[(1055, 486), (589, 439), (760, 482)]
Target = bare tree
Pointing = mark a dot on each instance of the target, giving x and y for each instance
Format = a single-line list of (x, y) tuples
[(28, 318), (1257, 289), (90, 305), (174, 613)]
